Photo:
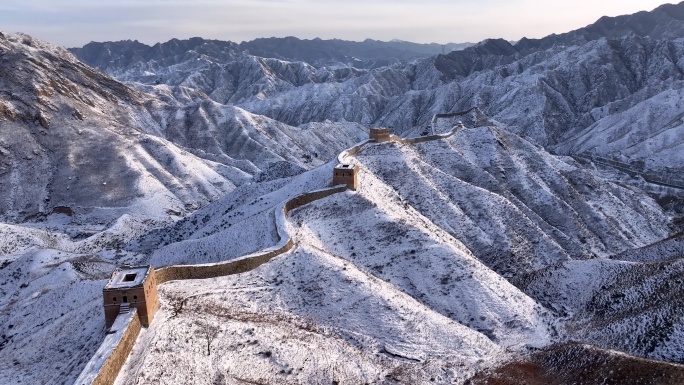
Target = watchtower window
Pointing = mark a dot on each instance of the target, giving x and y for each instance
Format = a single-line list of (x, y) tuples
[(129, 277), (135, 297), (114, 299)]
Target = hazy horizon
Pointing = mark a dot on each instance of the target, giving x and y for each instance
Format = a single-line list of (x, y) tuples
[(74, 23)]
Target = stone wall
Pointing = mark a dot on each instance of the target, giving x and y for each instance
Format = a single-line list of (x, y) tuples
[(351, 151), (393, 138), (307, 198), (105, 365), (241, 265), (427, 138), (436, 117), (248, 262)]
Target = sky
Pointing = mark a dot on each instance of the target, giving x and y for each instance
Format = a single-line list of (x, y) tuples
[(73, 23)]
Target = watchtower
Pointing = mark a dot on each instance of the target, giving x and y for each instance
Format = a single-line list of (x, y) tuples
[(345, 173), (379, 134), (131, 286)]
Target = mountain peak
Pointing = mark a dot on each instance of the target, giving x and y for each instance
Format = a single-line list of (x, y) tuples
[(666, 21)]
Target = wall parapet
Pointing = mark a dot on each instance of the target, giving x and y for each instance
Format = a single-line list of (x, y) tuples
[(426, 138), (449, 115), (341, 158), (250, 261), (630, 169), (104, 366), (352, 150)]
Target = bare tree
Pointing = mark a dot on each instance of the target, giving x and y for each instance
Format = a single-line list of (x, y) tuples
[(208, 331)]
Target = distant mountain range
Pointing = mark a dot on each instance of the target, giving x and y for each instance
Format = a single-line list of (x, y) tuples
[(571, 93), (366, 54)]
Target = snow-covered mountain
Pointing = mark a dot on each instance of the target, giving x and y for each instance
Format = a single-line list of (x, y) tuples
[(76, 139), (572, 93), (512, 204), (498, 252), (115, 57), (427, 239), (577, 99)]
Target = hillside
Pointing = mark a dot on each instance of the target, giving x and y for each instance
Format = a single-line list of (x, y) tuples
[(354, 250), (74, 141), (517, 208), (74, 138)]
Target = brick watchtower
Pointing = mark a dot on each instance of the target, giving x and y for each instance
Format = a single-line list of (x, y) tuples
[(379, 134), (346, 174), (131, 286)]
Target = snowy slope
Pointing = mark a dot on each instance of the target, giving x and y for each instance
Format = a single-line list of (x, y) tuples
[(435, 300), (303, 319), (631, 307), (661, 251), (71, 137), (51, 316), (444, 307), (376, 231), (516, 207), (347, 243), (86, 168)]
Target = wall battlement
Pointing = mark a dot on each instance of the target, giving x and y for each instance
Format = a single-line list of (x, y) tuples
[(104, 366), (379, 135), (437, 117)]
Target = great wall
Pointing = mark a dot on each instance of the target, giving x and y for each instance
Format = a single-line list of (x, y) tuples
[(104, 366), (632, 170)]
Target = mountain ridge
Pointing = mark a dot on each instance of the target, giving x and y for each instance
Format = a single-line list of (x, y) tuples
[(556, 91), (318, 52)]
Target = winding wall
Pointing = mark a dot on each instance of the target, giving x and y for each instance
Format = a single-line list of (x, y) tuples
[(669, 181), (105, 372), (251, 261), (393, 138), (449, 115)]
